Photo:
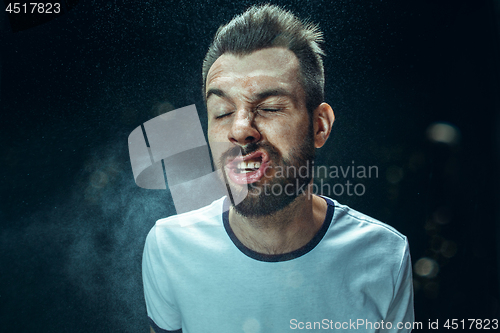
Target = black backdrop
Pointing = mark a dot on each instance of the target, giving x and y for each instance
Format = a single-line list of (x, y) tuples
[(73, 222)]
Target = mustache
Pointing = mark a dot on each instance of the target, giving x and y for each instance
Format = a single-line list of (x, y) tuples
[(233, 152)]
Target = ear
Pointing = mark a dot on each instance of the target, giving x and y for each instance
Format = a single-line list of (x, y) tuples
[(323, 120)]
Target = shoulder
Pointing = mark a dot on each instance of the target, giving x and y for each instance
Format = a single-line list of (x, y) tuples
[(187, 227), (363, 234), (354, 218), (203, 215), (367, 245)]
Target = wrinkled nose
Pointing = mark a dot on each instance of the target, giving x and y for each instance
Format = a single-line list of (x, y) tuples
[(243, 130)]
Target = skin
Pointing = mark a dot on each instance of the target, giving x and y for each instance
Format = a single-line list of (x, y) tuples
[(258, 98)]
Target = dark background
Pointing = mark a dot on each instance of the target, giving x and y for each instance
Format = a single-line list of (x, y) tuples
[(73, 222)]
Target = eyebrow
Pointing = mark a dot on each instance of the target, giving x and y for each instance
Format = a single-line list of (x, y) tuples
[(260, 96), (215, 91), (273, 92)]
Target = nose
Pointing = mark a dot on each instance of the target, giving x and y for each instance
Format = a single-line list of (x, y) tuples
[(243, 130)]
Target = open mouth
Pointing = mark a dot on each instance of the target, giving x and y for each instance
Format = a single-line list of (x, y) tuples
[(249, 168)]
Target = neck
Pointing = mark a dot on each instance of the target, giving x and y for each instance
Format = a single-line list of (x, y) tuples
[(284, 231)]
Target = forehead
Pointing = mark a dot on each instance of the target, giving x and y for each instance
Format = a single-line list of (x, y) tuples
[(268, 66)]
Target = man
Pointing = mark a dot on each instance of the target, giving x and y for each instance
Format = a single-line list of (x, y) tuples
[(279, 260)]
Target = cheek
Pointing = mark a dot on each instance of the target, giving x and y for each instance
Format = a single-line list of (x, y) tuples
[(286, 134), (213, 133), (216, 142)]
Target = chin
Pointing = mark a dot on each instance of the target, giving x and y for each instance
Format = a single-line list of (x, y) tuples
[(259, 203)]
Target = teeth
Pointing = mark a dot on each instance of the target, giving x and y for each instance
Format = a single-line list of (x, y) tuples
[(248, 165)]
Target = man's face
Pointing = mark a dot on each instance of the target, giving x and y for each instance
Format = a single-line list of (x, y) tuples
[(256, 102)]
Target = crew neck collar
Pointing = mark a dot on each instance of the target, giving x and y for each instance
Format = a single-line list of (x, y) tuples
[(284, 256)]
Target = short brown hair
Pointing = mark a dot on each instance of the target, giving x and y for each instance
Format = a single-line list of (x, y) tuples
[(271, 26)]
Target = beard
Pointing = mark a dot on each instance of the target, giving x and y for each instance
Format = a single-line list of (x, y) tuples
[(284, 187)]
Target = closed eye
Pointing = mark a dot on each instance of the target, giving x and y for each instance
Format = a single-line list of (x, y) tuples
[(223, 115), (270, 110)]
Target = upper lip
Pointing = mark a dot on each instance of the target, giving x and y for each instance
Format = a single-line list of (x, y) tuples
[(256, 154)]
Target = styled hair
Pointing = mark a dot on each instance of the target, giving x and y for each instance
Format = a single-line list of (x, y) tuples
[(268, 26)]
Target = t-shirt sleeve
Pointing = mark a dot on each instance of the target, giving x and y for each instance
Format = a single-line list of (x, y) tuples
[(162, 312), (400, 313)]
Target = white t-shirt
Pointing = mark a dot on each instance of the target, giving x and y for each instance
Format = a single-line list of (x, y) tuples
[(355, 274)]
